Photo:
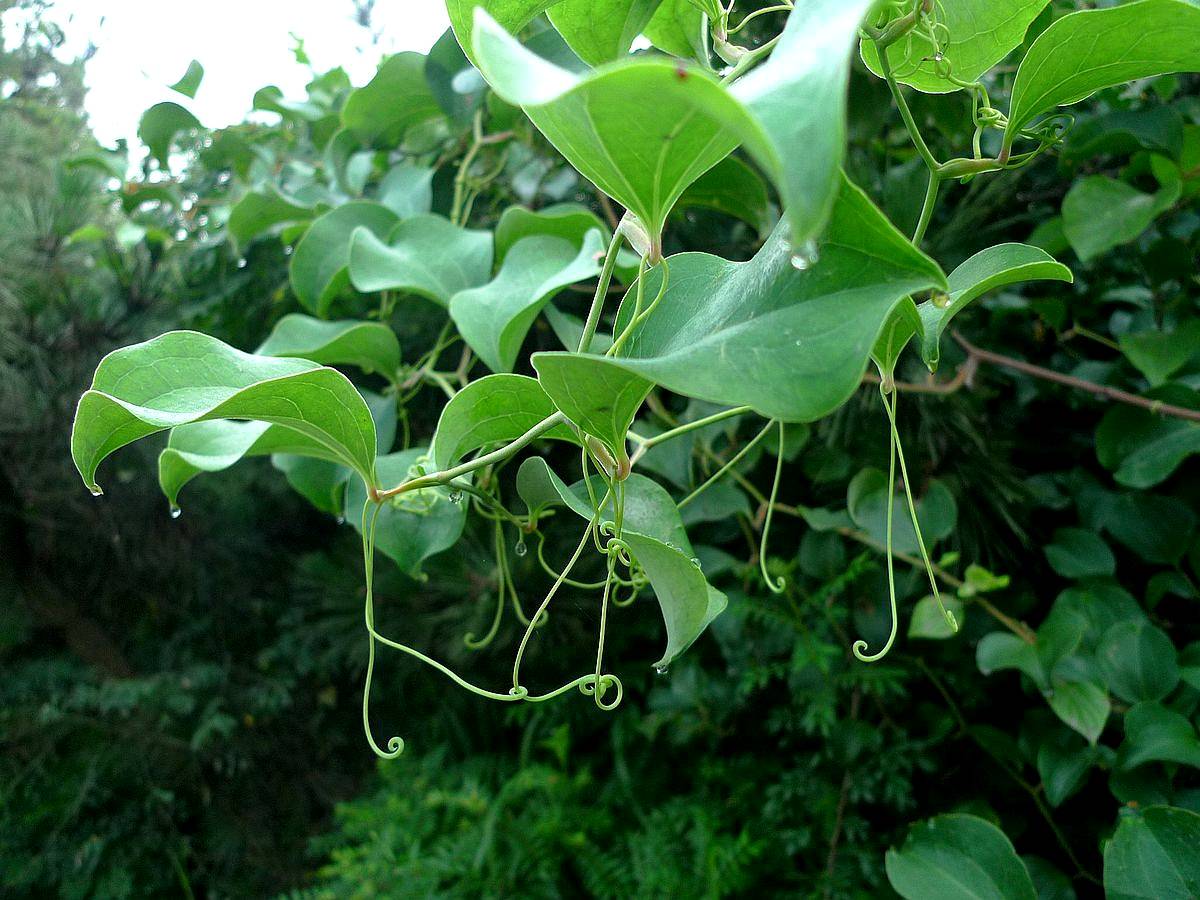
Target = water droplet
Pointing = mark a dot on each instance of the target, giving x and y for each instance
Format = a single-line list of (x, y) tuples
[(660, 670), (341, 520), (806, 256), (696, 561), (96, 492), (520, 549), (176, 512), (241, 263), (455, 496), (937, 57)]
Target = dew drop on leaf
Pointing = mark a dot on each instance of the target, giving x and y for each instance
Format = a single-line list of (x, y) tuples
[(660, 670), (341, 520), (520, 549), (176, 512), (96, 492), (806, 256), (455, 496)]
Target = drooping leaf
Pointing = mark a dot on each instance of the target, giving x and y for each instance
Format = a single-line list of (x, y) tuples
[(644, 129), (1000, 650), (655, 535), (978, 34), (190, 82), (414, 526), (958, 856), (1100, 213), (1154, 733), (1142, 448), (159, 126), (371, 346), (425, 255), (987, 270), (319, 266), (511, 15), (396, 99), (600, 399), (600, 31), (1063, 765), (1138, 661), (259, 212), (407, 190), (184, 377), (491, 410), (1083, 705), (790, 342), (1153, 855), (494, 318), (1092, 49)]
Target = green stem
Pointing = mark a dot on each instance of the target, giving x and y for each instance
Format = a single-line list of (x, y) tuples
[(931, 193), (910, 123), (647, 443), (725, 468), (593, 317)]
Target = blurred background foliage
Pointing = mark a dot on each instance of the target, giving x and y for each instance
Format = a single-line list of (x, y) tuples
[(179, 701)]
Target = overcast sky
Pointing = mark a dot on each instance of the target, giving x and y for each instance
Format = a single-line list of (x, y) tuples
[(242, 44)]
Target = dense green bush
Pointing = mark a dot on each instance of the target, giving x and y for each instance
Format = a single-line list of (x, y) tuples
[(510, 394)]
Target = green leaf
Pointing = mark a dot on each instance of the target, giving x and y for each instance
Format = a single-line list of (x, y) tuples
[(320, 482), (928, 621), (159, 126), (958, 856), (655, 535), (866, 501), (1063, 766), (678, 28), (190, 82), (600, 399), (494, 318), (1001, 650), (1092, 49), (569, 330), (733, 188), (446, 68), (371, 346), (396, 99), (1142, 448), (1051, 883), (511, 15), (425, 255), (1153, 855), (411, 527), (1158, 529), (978, 34), (987, 270), (407, 190), (1083, 705), (318, 268), (1123, 132), (1100, 213), (184, 377), (642, 130), (1159, 354), (1138, 661), (491, 410), (1154, 733), (792, 343), (570, 221), (600, 31), (259, 212), (1078, 553)]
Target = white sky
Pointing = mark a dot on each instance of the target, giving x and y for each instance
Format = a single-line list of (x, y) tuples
[(145, 45)]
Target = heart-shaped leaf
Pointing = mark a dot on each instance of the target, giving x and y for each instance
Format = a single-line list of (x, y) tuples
[(1138, 661), (190, 82), (407, 190), (1083, 705), (979, 33), (570, 221), (396, 99), (371, 346), (1100, 213), (790, 342), (184, 376), (1097, 48), (260, 212), (318, 268), (411, 527), (655, 535), (1143, 448), (494, 318), (425, 255), (600, 399), (1154, 733), (958, 857), (492, 410), (159, 126), (1153, 855)]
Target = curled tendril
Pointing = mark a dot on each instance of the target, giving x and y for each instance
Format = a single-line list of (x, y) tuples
[(395, 744), (587, 686), (860, 646), (775, 586)]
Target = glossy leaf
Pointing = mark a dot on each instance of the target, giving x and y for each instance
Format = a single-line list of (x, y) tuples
[(425, 255), (494, 318), (987, 270), (492, 410), (189, 83), (1153, 855), (978, 34), (600, 31), (318, 268), (1083, 705), (371, 346), (1092, 49), (569, 221), (159, 126), (1141, 448), (1138, 661), (184, 377), (1000, 650), (511, 15), (411, 527), (396, 99), (958, 856), (679, 28), (1154, 733), (260, 212), (659, 543), (792, 343), (600, 399)]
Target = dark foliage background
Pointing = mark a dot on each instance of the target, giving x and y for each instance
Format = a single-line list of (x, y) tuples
[(179, 700)]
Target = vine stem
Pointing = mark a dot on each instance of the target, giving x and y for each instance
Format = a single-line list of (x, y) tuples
[(931, 193), (593, 316), (910, 123), (645, 444)]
